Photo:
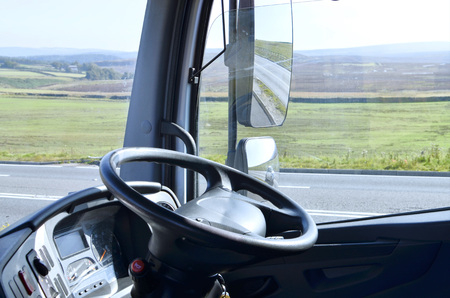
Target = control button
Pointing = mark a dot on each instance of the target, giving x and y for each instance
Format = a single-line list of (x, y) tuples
[(15, 289), (53, 293), (137, 266), (47, 255), (63, 285), (43, 257), (58, 287), (40, 266), (23, 276)]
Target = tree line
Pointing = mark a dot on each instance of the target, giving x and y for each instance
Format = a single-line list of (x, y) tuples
[(92, 70)]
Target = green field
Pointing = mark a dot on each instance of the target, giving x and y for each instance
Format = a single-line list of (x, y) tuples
[(42, 129), (402, 136), (50, 115), (56, 116)]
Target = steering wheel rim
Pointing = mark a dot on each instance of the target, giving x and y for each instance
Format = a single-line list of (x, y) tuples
[(217, 176)]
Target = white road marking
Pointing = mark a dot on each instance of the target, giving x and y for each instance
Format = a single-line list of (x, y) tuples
[(86, 167), (33, 166), (49, 166), (335, 215), (350, 214), (296, 187), (28, 197), (2, 175)]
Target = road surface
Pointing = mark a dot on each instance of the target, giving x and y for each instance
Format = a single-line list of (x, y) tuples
[(27, 188), (274, 76), (265, 109), (327, 197)]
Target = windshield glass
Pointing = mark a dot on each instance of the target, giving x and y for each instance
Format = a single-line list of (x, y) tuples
[(66, 72), (367, 126)]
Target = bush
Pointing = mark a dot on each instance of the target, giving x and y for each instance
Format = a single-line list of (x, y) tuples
[(7, 63), (94, 72)]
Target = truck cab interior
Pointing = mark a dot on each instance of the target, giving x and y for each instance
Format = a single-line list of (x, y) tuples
[(171, 219)]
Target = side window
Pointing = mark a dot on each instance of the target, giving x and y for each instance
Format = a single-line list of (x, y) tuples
[(66, 71), (369, 95)]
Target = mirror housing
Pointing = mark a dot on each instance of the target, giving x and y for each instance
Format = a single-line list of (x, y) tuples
[(263, 65), (258, 157)]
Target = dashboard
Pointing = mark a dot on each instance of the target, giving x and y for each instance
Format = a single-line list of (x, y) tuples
[(84, 253)]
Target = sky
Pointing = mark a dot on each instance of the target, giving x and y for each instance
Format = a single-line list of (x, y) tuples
[(355, 23), (117, 24), (81, 24), (326, 24)]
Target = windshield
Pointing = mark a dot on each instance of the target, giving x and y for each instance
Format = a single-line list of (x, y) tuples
[(66, 72), (367, 126)]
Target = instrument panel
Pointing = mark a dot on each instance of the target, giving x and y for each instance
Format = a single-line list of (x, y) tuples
[(89, 249), (83, 250), (84, 254), (104, 245)]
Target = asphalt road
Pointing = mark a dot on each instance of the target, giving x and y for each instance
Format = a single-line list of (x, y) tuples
[(264, 109), (328, 197), (274, 76), (27, 188)]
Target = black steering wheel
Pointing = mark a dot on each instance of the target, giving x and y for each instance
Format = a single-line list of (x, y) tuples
[(220, 221)]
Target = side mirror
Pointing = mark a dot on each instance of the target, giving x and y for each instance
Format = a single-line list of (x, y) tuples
[(263, 66), (258, 157)]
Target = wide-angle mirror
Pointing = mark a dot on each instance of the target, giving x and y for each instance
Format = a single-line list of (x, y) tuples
[(258, 157), (262, 70)]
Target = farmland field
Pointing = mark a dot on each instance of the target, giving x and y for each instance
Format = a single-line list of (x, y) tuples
[(338, 116), (349, 110), (404, 136), (43, 129), (331, 135), (57, 116)]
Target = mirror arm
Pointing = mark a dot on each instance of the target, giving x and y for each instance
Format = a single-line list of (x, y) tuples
[(194, 75)]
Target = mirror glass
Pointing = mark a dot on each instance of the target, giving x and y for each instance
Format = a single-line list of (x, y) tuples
[(259, 158), (263, 68)]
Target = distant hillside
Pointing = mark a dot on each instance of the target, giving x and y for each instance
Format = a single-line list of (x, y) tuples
[(427, 52), (82, 58), (422, 67), (66, 54)]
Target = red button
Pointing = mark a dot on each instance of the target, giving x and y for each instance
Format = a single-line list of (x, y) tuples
[(137, 266), (26, 282)]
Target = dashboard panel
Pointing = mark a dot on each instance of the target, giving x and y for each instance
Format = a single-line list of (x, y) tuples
[(87, 246), (84, 253)]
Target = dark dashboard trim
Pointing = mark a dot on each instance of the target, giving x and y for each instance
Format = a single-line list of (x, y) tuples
[(7, 242), (68, 204)]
